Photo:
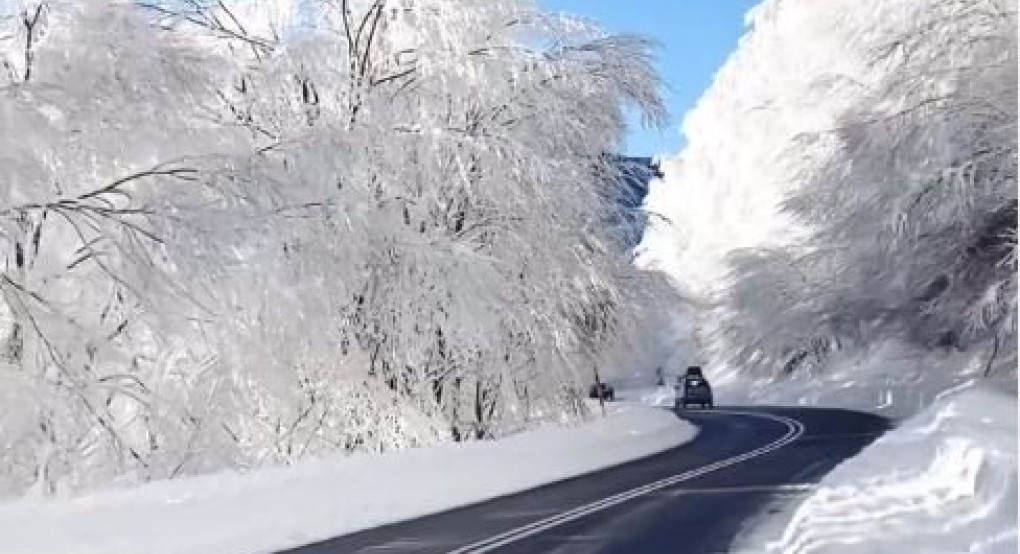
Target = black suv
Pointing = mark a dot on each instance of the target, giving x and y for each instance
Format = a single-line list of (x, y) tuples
[(693, 389)]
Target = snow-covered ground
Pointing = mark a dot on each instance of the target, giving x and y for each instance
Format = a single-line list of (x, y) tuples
[(271, 509), (889, 379), (945, 481), (650, 396)]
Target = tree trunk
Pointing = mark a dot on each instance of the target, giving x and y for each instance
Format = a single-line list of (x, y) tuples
[(991, 359)]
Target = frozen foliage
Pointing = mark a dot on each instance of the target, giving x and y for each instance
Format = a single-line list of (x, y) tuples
[(275, 508), (943, 482), (237, 233), (860, 188)]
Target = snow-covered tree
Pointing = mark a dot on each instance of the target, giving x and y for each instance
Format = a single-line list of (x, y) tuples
[(433, 136), (267, 230), (99, 157), (920, 197), (880, 179), (911, 198)]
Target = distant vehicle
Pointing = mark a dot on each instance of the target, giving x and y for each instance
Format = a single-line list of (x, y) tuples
[(693, 389), (603, 391)]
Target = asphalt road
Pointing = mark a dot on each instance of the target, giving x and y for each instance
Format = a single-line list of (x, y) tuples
[(693, 499)]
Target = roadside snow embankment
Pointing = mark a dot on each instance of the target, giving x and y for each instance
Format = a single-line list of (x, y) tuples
[(273, 509), (943, 482), (661, 396), (890, 379)]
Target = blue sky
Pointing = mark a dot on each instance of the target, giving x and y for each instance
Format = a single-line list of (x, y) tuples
[(696, 36)]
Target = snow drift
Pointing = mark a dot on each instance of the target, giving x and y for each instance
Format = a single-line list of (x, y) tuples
[(943, 482)]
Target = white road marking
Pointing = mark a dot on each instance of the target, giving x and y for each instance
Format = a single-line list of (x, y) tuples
[(791, 488), (794, 430), (398, 545), (518, 514)]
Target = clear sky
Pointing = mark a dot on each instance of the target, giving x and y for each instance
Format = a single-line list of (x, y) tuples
[(695, 36)]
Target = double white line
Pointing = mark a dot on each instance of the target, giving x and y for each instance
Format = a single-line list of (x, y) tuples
[(794, 429)]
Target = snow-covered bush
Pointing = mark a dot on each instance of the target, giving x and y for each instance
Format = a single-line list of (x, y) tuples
[(243, 232)]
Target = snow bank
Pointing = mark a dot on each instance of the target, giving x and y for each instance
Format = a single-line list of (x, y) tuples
[(943, 482), (890, 379), (272, 509), (664, 396)]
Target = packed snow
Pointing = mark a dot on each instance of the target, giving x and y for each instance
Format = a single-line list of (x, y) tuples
[(943, 482), (271, 509)]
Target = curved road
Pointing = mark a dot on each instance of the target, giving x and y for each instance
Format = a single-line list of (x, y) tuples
[(692, 499)]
